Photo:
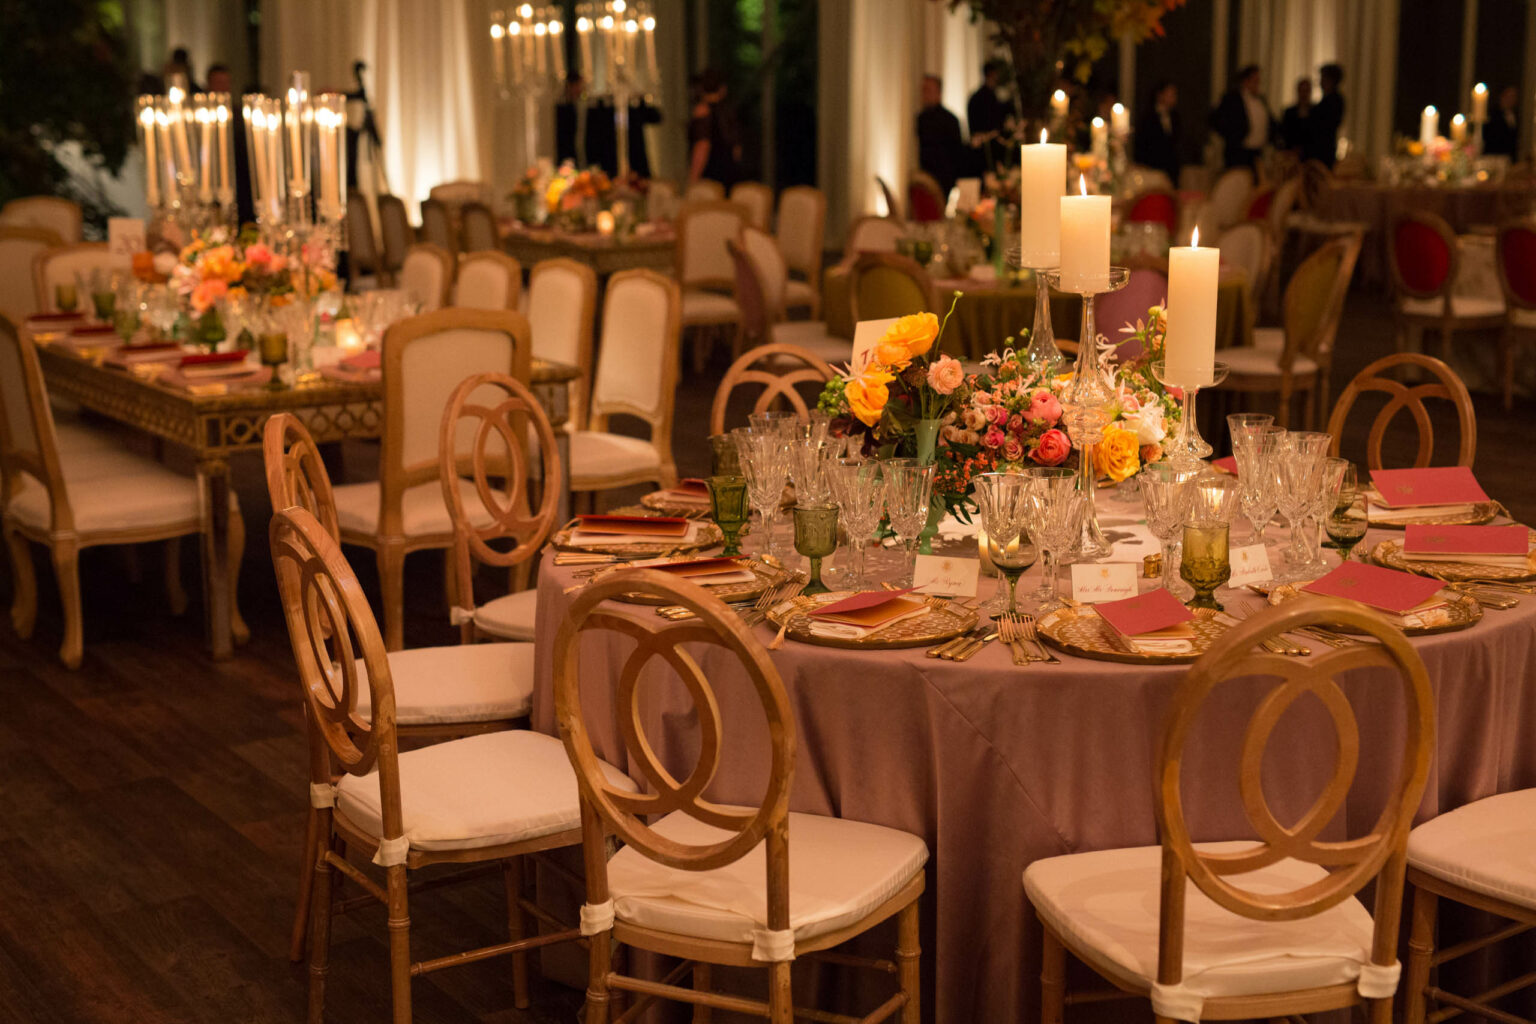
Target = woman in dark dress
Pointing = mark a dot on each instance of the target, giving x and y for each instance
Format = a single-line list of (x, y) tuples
[(713, 142)]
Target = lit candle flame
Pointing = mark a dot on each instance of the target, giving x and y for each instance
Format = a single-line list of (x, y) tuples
[(649, 24), (1480, 88), (1194, 239), (1458, 119), (1118, 108), (1430, 110), (1058, 95), (497, 31), (1042, 136), (1082, 184)]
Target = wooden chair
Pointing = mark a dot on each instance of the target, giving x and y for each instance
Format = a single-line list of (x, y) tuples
[(53, 213), (884, 284), (871, 234), (437, 226), (704, 191), (427, 275), (925, 199), (395, 236), (1159, 206), (757, 199), (703, 269), (454, 195), (802, 236), (661, 201), (762, 281), (488, 279), (1243, 929), (477, 229), (59, 266), (1411, 397), (1248, 246), (69, 500), (485, 799), (892, 204), (1515, 251), (737, 872), (779, 368), (636, 376), (1227, 203), (424, 358), (562, 310), (1425, 259), (362, 243), (439, 691), (19, 248)]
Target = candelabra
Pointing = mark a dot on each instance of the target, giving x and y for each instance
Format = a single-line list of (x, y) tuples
[(298, 165), (187, 157)]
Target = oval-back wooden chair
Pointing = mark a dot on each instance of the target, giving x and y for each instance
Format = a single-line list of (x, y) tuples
[(1233, 934), (61, 216), (1410, 397), (801, 233), (427, 275), (362, 242), (20, 245), (395, 237), (1515, 251), (488, 279), (437, 225), (924, 198), (885, 284), (673, 834), (784, 368), (1425, 260), (757, 199), (477, 229)]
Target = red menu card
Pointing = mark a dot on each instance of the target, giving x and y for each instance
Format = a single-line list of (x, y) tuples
[(707, 571), (643, 526), (54, 318), (1440, 485), (692, 485), (870, 608), (1494, 545), (214, 358), (368, 359), (93, 329), (1146, 613), (1387, 589)]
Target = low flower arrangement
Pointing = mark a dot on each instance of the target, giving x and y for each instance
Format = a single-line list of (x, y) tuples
[(214, 267)]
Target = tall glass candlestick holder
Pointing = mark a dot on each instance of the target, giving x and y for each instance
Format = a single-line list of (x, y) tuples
[(1042, 357), (1086, 408), (1188, 449)]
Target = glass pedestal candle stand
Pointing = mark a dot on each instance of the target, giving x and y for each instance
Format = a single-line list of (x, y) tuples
[(1188, 449)]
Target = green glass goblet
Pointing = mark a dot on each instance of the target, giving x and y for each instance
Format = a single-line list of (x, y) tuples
[(816, 538), (104, 302), (728, 507), (1205, 564), (724, 457), (64, 296)]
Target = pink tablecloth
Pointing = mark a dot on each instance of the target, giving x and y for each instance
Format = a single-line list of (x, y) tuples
[(995, 766)]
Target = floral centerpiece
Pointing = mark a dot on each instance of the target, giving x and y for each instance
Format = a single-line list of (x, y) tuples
[(214, 268), (574, 197), (524, 194)]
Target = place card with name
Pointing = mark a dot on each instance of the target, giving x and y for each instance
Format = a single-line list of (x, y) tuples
[(1250, 564), (1387, 589), (1096, 582), (941, 574), (1437, 485)]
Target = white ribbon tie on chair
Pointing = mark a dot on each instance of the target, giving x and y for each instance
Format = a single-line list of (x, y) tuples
[(392, 852), (1179, 1002), (596, 918), (459, 616), (322, 794), (773, 946)]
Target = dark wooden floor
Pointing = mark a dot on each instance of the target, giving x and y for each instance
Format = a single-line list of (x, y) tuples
[(151, 803)]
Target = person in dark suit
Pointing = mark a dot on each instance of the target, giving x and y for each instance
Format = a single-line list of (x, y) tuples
[(987, 116), (1243, 120), (1501, 135), (1327, 118), (1296, 120), (1157, 133), (940, 147)]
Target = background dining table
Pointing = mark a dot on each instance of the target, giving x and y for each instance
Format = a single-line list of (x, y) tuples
[(996, 765)]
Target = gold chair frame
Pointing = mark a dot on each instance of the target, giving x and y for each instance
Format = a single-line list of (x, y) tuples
[(776, 386), (1411, 397)]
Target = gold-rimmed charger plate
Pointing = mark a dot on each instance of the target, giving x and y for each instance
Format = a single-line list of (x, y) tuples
[(1460, 611), (1390, 554), (705, 535), (657, 501), (728, 592), (1080, 632), (1476, 515), (934, 627)]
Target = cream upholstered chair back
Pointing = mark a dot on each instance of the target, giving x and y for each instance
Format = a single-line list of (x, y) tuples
[(29, 453), (59, 215), (757, 199), (873, 234), (455, 194), (802, 229), (477, 228), (637, 369), (488, 280), (296, 475), (704, 191), (19, 249), (753, 320), (59, 266), (562, 310), (660, 201), (1247, 245), (702, 230), (437, 225), (362, 244), (395, 234), (1287, 193), (427, 274), (772, 273), (1229, 198)]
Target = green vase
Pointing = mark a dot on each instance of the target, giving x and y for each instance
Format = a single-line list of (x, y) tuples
[(927, 436)]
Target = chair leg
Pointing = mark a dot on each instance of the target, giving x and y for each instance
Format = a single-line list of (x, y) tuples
[(23, 583), (399, 944), (306, 886), (909, 953), (319, 918), (702, 1014), (175, 593), (1421, 950), (238, 630), (66, 566), (781, 997), (512, 881), (1053, 965), (391, 562), (599, 957)]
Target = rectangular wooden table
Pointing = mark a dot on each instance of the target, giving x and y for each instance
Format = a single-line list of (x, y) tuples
[(605, 254), (215, 426)]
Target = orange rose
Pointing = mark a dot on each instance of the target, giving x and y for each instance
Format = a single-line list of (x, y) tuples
[(207, 293), (867, 395), (914, 334)]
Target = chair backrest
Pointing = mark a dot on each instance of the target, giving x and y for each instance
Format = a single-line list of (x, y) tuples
[(59, 266), (332, 629), (1423, 255), (1247, 245), (1401, 396), (28, 441), (19, 249), (362, 247), (562, 309), (1308, 302), (1114, 310), (1378, 855), (394, 231), (1316, 179), (892, 204), (1281, 205), (1322, 349), (1156, 207), (926, 200), (1229, 198), (884, 284), (1516, 255), (637, 361), (783, 367), (424, 359), (763, 249), (488, 280), (296, 475), (1148, 179), (660, 201), (627, 815), (454, 194), (477, 229), (757, 199), (1259, 201), (437, 225), (702, 230), (485, 426), (752, 318), (55, 213), (873, 234), (802, 230), (427, 275), (704, 191)]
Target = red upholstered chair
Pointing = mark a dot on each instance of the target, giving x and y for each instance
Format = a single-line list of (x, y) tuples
[(925, 198), (1259, 203), (1425, 261), (1158, 207), (1516, 255)]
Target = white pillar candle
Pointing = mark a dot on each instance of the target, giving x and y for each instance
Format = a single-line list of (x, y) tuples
[(1042, 182), (1085, 243), (1458, 129), (539, 32), (1190, 347), (498, 58), (1059, 104), (557, 49), (204, 114), (1099, 138), (1120, 119), (515, 44), (584, 32), (151, 164), (1479, 103), (649, 24), (167, 152), (1429, 125), (226, 154)]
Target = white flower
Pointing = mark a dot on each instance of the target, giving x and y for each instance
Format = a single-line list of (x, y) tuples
[(1148, 423)]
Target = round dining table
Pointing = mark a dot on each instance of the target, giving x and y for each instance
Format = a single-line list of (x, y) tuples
[(996, 765)]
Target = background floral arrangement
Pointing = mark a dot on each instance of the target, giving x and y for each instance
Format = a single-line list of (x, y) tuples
[(212, 267)]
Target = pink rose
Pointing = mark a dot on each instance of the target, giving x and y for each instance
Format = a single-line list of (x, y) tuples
[(946, 375), (1013, 449), (982, 397), (1151, 453), (994, 438), (1015, 424), (1052, 449), (1044, 410), (258, 254), (974, 419), (997, 415), (1128, 403), (1177, 394)]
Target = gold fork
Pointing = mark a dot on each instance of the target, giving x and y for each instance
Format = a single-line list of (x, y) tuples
[(1012, 634), (1032, 634)]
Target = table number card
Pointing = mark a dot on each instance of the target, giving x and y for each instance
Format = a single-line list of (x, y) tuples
[(1249, 565), (866, 335), (1094, 582), (941, 574)]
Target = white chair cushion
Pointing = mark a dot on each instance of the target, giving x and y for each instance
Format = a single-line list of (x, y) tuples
[(798, 293), (812, 336), (422, 511), (1462, 306), (510, 616), (1107, 902), (75, 438), (466, 683), (1524, 317), (597, 456), (701, 307), (113, 491), (839, 872), (1253, 361), (1488, 847), (498, 787)]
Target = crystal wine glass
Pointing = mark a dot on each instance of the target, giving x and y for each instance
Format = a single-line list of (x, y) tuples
[(1299, 466), (808, 459), (1329, 482), (908, 488), (1058, 509), (1346, 522), (1004, 501), (858, 487), (765, 464), (1256, 482), (1165, 495)]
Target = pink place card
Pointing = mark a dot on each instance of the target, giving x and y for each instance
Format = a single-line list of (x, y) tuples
[(1438, 485), (1147, 613), (1466, 540), (1387, 589)]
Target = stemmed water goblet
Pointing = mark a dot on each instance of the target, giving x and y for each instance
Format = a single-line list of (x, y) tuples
[(765, 464), (1346, 522), (858, 488), (1242, 426), (126, 310), (1058, 510), (808, 458), (161, 310), (1165, 495), (1299, 466), (1256, 481), (1330, 478), (908, 488), (1004, 501)]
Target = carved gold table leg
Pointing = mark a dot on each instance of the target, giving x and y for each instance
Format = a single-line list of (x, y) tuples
[(213, 475)]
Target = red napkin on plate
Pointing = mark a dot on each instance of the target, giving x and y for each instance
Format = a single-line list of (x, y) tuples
[(214, 358), (1466, 540), (1227, 464), (94, 329), (54, 318), (692, 485), (1387, 589), (1437, 485), (1145, 613), (645, 526), (699, 567), (870, 608), (368, 359)]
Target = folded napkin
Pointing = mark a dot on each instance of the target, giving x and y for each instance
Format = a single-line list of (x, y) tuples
[(1163, 646), (580, 536), (1378, 513), (369, 359), (848, 631)]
